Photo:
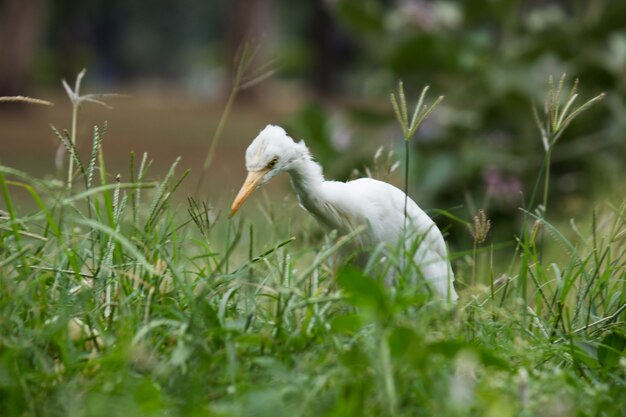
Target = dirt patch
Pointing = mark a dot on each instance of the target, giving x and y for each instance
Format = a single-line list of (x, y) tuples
[(164, 125)]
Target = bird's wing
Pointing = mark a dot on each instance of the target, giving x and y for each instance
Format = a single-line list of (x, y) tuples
[(381, 207)]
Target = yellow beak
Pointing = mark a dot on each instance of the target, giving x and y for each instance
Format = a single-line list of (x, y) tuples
[(252, 182)]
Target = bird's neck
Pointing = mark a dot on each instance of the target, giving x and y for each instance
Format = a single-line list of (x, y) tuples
[(306, 174), (307, 181)]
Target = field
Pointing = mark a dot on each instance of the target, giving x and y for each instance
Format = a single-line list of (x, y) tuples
[(121, 296)]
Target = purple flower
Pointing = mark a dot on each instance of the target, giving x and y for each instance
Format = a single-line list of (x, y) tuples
[(506, 190)]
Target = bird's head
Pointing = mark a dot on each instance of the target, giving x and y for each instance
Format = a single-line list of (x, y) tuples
[(271, 152)]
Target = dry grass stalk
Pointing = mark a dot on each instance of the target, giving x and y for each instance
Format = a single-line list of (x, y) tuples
[(24, 99)]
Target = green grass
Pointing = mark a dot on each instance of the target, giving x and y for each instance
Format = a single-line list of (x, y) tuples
[(116, 300)]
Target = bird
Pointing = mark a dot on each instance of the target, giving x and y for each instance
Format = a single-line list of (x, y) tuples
[(376, 206)]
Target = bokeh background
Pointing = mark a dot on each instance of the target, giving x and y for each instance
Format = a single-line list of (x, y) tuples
[(333, 64)]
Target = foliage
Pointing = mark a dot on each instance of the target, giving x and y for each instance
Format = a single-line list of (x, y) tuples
[(492, 59), (113, 301)]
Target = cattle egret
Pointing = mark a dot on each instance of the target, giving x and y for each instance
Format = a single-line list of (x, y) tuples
[(345, 206)]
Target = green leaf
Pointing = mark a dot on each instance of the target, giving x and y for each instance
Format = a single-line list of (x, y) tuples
[(346, 324), (363, 290), (404, 341), (355, 359), (361, 15), (611, 349)]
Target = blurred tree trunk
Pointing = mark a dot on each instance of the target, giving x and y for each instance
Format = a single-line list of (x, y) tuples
[(332, 48), (321, 34), (19, 36)]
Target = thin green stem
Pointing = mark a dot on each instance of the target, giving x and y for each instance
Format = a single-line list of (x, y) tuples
[(406, 181), (474, 255), (242, 80), (546, 179), (70, 170), (14, 224), (388, 378), (220, 125)]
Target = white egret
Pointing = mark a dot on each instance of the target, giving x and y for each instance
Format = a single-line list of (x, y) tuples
[(344, 206)]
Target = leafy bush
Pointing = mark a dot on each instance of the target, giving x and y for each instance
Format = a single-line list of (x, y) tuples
[(490, 60)]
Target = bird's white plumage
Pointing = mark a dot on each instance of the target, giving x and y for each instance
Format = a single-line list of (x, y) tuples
[(344, 206)]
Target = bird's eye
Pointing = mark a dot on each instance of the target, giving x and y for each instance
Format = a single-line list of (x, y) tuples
[(272, 163)]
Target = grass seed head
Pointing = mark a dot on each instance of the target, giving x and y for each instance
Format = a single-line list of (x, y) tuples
[(480, 227)]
